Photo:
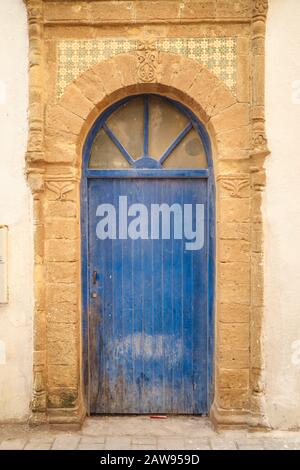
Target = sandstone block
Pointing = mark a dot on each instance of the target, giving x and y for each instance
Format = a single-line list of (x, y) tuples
[(234, 210), (237, 379), (233, 117), (62, 272), (234, 292), (121, 10), (233, 313), (233, 358), (68, 228), (62, 376), (234, 250), (75, 102), (62, 293), (148, 10), (62, 397), (195, 9), (236, 272), (61, 209), (233, 399), (61, 250), (61, 119), (62, 312), (233, 336), (91, 87), (109, 75), (234, 231)]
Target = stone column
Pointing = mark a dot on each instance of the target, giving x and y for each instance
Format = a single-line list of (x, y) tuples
[(35, 171), (258, 155)]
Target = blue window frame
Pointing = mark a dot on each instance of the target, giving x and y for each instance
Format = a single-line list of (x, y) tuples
[(143, 165)]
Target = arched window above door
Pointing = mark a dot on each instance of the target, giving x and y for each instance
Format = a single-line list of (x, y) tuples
[(147, 131)]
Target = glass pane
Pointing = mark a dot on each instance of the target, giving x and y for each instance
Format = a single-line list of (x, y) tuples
[(165, 123), (189, 153), (105, 154), (127, 123)]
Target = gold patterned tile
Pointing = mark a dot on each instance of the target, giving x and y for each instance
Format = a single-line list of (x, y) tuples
[(75, 56)]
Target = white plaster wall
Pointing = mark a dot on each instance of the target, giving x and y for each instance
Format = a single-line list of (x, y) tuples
[(15, 211), (282, 216)]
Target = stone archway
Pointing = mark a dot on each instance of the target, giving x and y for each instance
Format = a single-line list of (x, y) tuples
[(55, 181)]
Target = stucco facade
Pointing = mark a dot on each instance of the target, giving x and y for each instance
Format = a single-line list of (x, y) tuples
[(16, 212), (178, 42), (281, 214)]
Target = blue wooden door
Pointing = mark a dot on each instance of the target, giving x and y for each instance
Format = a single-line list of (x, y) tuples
[(149, 286)]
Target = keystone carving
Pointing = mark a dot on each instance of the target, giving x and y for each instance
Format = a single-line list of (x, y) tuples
[(147, 57)]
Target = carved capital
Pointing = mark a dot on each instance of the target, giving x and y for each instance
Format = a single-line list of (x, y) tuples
[(260, 8), (147, 57), (236, 185), (34, 8), (60, 188)]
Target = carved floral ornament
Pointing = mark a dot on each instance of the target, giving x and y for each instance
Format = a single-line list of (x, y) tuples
[(260, 7), (147, 56), (260, 142)]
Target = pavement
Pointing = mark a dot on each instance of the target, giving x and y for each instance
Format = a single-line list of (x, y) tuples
[(143, 433)]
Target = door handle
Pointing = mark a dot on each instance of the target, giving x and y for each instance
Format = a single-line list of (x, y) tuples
[(94, 278)]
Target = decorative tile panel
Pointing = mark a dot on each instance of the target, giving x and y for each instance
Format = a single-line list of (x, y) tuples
[(78, 55)]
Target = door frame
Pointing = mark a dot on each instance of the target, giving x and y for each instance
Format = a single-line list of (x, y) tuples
[(148, 173)]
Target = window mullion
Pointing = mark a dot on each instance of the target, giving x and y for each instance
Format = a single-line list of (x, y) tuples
[(146, 126), (118, 144)]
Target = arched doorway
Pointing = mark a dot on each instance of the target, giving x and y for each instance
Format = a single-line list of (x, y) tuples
[(148, 259)]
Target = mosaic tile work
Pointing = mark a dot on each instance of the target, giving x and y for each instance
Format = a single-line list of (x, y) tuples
[(76, 55)]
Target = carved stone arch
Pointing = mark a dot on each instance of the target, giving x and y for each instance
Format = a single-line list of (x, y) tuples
[(175, 76), (58, 393)]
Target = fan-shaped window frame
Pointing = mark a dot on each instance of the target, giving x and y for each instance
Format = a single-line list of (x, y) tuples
[(147, 166)]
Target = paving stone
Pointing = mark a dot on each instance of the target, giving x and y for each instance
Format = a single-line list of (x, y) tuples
[(251, 444), (146, 440), (219, 443), (66, 442), (170, 444), (39, 444), (92, 440), (95, 426), (118, 443), (91, 446), (143, 447), (276, 444), (196, 444), (13, 444), (143, 433)]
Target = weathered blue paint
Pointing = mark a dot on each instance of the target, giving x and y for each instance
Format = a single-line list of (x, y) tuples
[(148, 315), (147, 173)]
